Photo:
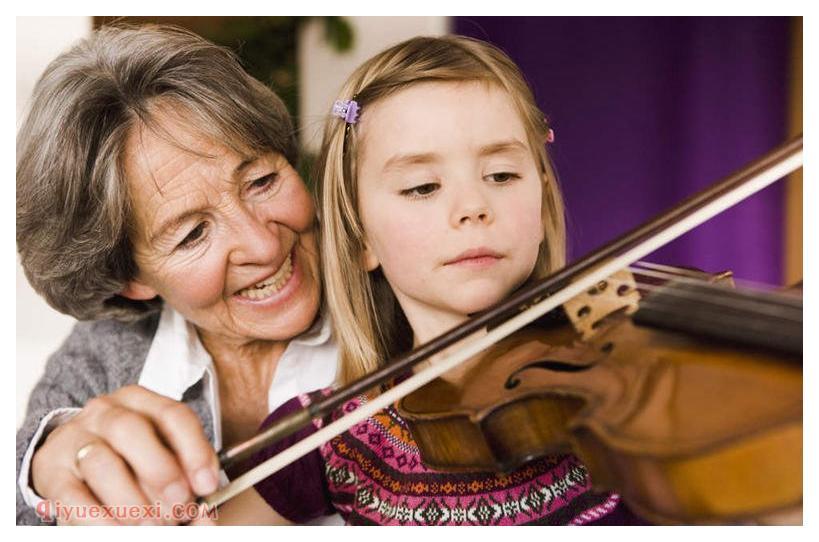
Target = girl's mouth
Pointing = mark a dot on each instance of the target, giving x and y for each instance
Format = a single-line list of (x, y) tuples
[(476, 257)]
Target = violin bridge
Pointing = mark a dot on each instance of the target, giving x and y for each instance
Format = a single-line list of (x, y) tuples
[(617, 293)]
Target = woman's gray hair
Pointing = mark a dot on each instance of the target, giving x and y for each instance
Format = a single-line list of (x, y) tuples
[(73, 210)]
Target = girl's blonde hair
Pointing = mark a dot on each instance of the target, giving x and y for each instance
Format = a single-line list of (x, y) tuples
[(369, 323)]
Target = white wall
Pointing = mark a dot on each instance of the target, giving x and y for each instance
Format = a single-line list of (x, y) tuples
[(40, 329), (323, 71)]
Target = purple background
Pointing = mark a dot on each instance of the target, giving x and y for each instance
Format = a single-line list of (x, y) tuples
[(649, 110)]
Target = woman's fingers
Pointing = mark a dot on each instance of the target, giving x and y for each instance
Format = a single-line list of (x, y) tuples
[(94, 484), (204, 517), (137, 449), (180, 428), (78, 506), (116, 490), (134, 438)]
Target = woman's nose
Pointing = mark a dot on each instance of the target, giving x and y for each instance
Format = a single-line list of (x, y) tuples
[(256, 240)]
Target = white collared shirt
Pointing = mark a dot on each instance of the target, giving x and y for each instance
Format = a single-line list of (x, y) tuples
[(177, 360)]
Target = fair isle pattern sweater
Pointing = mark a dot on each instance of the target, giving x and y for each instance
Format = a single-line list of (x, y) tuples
[(373, 475)]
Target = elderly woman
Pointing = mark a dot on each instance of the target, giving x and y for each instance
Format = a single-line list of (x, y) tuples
[(156, 197)]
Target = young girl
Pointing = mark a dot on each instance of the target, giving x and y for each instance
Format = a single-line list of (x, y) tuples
[(437, 200)]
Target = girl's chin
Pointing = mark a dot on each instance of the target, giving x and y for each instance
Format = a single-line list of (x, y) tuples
[(476, 303), (478, 298)]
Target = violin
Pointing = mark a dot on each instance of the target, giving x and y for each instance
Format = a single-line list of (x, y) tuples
[(689, 406), (693, 416)]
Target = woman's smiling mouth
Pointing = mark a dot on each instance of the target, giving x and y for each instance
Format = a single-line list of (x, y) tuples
[(272, 284)]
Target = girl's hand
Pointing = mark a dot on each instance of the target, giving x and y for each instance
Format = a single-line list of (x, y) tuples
[(131, 457)]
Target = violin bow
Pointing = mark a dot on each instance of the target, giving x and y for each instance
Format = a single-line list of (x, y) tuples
[(526, 306)]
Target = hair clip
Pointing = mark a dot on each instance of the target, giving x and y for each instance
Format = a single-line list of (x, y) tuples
[(347, 110), (550, 137)]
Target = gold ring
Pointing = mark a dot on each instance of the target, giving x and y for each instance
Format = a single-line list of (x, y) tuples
[(82, 453)]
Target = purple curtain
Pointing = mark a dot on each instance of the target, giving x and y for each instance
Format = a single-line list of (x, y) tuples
[(648, 110)]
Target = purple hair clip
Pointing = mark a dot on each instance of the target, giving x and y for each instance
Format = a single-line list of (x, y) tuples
[(347, 110)]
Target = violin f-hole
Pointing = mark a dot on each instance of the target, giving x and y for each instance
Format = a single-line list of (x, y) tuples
[(548, 365)]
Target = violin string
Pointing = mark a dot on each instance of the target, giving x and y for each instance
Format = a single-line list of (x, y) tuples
[(766, 318), (764, 331), (758, 324), (739, 322), (686, 275), (710, 296), (719, 301), (729, 300), (667, 272), (761, 297), (705, 292)]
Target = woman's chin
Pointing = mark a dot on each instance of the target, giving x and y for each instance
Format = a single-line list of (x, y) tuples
[(293, 321), (283, 321)]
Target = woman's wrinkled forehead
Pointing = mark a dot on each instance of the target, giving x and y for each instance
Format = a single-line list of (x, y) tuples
[(160, 149), (173, 170), (190, 130)]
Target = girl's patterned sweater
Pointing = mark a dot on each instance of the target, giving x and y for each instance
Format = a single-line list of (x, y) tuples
[(372, 474)]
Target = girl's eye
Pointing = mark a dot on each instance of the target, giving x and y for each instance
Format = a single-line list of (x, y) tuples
[(502, 177), (263, 184), (194, 237), (421, 190)]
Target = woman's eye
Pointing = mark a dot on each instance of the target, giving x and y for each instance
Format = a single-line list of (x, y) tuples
[(195, 235), (421, 190), (265, 183), (502, 177)]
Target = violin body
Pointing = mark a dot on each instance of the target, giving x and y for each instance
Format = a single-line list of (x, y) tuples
[(686, 430)]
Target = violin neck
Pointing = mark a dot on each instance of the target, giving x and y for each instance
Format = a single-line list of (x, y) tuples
[(745, 317)]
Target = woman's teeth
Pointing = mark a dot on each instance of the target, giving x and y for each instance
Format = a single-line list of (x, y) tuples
[(272, 285)]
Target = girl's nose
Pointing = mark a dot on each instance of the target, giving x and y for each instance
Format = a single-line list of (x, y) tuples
[(476, 214), (472, 207)]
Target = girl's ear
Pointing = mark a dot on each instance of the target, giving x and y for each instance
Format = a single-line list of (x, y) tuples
[(138, 291), (369, 259)]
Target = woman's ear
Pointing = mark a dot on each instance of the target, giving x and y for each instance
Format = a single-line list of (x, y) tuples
[(138, 291), (369, 259)]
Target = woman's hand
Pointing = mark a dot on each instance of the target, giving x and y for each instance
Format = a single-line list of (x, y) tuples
[(130, 457)]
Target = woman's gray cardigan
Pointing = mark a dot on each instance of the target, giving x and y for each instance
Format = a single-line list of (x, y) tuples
[(97, 358)]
